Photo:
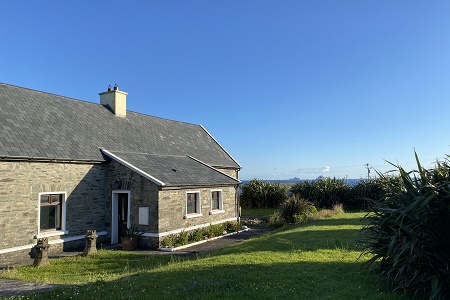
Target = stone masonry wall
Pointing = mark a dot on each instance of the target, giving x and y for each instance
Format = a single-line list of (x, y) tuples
[(172, 207), (230, 172), (20, 183), (143, 193)]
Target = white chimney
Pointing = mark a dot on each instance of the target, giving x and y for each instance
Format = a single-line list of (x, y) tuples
[(116, 100)]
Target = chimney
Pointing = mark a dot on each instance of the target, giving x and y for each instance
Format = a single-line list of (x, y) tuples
[(116, 100)]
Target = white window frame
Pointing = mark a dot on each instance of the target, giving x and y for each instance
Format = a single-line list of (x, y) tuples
[(198, 212), (220, 210), (49, 233)]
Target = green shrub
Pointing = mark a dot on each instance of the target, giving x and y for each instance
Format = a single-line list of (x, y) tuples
[(323, 193), (215, 230), (260, 194), (275, 219), (232, 226), (197, 235), (365, 191), (182, 239), (297, 210), (168, 241), (408, 232)]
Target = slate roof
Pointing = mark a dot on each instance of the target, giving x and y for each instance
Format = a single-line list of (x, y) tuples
[(169, 170), (40, 125)]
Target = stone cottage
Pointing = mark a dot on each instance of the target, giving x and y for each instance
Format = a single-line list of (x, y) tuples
[(67, 166)]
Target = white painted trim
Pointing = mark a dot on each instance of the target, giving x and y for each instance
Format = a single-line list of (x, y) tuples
[(192, 216), (52, 242), (221, 146), (197, 208), (114, 213), (134, 168), (220, 209), (161, 234), (50, 233), (63, 214), (170, 249)]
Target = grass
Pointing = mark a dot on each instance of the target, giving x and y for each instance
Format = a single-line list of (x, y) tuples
[(317, 261), (257, 212)]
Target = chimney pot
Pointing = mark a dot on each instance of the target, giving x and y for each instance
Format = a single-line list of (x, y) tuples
[(109, 88), (116, 87)]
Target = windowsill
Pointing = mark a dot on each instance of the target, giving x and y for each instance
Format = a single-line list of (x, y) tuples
[(216, 211), (192, 216), (50, 233)]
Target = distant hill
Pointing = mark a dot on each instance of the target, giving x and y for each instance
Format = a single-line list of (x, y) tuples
[(295, 180)]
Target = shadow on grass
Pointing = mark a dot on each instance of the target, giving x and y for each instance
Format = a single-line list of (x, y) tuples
[(311, 240), (197, 280)]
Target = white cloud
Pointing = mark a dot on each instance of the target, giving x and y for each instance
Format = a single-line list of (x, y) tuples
[(326, 169)]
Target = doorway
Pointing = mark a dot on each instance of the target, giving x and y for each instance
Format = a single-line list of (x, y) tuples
[(120, 214)]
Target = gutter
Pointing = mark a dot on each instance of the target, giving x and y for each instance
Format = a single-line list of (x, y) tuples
[(46, 159)]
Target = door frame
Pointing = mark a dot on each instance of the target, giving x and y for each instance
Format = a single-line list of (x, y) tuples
[(114, 212)]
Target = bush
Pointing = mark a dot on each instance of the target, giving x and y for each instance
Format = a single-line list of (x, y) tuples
[(275, 219), (323, 193), (232, 226), (196, 235), (215, 230), (296, 210), (261, 194), (328, 213), (408, 232), (365, 191)]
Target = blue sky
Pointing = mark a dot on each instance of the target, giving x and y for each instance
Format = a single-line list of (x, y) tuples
[(289, 88)]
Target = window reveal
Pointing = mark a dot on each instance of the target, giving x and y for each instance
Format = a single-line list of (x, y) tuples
[(215, 200), (192, 203), (50, 211)]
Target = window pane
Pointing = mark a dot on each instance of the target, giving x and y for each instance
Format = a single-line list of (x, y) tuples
[(45, 199), (45, 219), (55, 199), (57, 216), (191, 203), (50, 215), (215, 200)]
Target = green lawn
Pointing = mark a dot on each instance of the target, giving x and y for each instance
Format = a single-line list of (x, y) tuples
[(317, 261), (257, 212)]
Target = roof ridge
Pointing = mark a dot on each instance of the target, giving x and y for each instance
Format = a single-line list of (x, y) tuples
[(43, 92), (90, 102)]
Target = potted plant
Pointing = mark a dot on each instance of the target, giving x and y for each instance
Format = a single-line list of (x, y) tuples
[(130, 240)]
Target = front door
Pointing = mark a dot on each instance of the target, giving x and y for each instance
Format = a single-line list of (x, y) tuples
[(120, 214), (122, 202)]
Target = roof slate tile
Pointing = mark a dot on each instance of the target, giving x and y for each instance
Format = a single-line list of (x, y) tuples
[(79, 129)]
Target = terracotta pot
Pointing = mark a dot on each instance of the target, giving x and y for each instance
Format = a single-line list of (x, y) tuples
[(129, 243)]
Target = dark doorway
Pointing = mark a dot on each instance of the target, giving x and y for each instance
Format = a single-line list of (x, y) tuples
[(122, 208)]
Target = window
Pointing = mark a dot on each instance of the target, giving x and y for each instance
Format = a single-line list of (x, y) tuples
[(192, 204), (51, 212), (216, 202)]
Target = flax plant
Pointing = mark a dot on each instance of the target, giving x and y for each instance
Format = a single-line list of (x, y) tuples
[(408, 233)]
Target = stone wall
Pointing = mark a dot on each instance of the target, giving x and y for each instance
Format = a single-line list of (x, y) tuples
[(230, 172), (172, 208), (20, 183), (143, 193)]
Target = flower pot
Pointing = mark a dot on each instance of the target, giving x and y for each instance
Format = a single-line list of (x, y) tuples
[(129, 243)]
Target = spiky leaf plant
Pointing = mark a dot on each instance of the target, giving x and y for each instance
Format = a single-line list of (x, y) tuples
[(323, 193), (408, 233), (262, 194)]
